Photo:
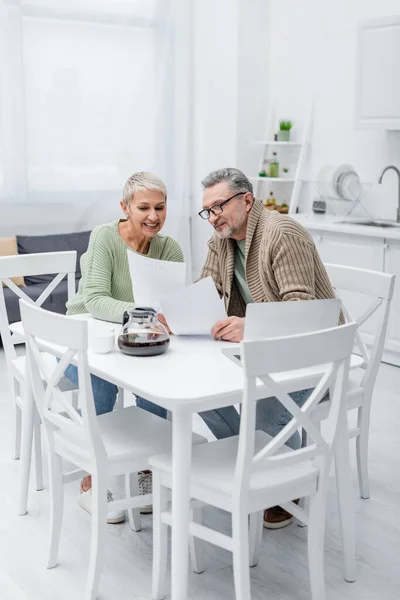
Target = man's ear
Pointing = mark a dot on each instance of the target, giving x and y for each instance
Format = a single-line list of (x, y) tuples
[(249, 199)]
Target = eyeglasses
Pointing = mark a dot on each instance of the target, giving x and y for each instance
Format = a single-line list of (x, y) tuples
[(217, 208)]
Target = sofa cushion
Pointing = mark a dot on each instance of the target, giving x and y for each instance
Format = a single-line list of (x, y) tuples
[(12, 300), (59, 298), (55, 302), (28, 244), (8, 247)]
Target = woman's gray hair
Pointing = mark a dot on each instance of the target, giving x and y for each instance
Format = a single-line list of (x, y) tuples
[(238, 182), (140, 182)]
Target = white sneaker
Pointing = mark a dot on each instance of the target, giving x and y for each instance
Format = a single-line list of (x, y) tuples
[(145, 481), (113, 514)]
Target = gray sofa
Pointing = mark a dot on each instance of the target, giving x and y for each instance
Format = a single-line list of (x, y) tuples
[(34, 285)]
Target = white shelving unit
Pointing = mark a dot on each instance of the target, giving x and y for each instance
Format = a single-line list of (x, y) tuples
[(263, 184), (279, 143)]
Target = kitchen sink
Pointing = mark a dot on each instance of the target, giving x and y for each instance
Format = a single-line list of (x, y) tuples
[(370, 222)]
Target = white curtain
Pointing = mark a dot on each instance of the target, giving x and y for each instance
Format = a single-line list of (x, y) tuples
[(91, 91)]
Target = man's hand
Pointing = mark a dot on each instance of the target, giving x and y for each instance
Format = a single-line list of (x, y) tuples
[(230, 329), (162, 320)]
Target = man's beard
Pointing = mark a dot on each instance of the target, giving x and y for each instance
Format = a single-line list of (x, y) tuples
[(227, 233), (230, 230)]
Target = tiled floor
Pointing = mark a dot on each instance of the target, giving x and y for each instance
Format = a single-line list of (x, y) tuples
[(282, 573)]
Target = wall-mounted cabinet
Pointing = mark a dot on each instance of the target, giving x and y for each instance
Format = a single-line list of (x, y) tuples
[(377, 78)]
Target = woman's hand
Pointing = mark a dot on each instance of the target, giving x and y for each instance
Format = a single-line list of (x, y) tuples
[(162, 320), (230, 329)]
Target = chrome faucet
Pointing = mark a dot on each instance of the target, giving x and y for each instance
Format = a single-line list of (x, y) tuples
[(398, 175)]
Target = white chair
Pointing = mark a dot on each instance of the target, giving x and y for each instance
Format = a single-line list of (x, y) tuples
[(279, 319), (111, 445), (62, 264), (379, 287), (247, 473)]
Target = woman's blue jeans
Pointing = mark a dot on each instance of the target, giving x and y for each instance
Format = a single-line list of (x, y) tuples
[(105, 394)]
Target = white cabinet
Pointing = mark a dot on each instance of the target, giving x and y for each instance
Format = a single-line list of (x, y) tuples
[(392, 265), (353, 251), (377, 79), (365, 252)]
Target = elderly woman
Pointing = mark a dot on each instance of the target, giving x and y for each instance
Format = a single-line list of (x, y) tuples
[(105, 289)]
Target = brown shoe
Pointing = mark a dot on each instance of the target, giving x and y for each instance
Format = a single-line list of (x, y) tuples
[(277, 517)]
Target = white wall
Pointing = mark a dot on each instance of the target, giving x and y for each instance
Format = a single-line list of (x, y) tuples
[(313, 53), (230, 72)]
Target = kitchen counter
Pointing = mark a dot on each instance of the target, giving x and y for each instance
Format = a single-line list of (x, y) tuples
[(331, 223)]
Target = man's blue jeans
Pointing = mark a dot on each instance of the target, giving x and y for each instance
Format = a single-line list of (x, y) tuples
[(271, 417), (105, 394)]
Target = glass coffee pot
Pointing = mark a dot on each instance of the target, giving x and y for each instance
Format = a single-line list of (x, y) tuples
[(142, 334)]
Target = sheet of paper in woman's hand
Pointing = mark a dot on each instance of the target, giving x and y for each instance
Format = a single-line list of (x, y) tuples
[(153, 278), (195, 309)]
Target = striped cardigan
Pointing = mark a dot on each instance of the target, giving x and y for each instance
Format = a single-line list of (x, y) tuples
[(282, 263)]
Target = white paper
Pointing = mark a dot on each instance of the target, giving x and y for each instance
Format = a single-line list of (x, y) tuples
[(152, 278), (195, 309)]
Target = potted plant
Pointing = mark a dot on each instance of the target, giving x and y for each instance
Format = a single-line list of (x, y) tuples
[(285, 172), (284, 131)]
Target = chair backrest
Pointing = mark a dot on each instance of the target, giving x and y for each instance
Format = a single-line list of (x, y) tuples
[(379, 288), (60, 263), (331, 350), (278, 319), (79, 427)]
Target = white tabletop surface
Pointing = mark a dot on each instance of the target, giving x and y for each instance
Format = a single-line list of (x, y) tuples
[(192, 371)]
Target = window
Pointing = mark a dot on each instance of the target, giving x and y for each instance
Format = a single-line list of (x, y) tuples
[(79, 110)]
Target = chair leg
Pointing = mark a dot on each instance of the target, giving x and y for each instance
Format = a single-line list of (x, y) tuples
[(16, 450), (316, 536), (346, 511), (241, 572), (160, 538), (38, 453), (98, 536), (304, 503), (14, 390), (132, 489), (119, 404), (56, 505), (195, 544), (362, 454), (75, 399), (255, 535)]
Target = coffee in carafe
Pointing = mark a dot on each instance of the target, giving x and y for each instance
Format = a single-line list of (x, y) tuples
[(142, 333)]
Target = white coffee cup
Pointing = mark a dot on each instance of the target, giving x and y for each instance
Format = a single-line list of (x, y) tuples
[(102, 340)]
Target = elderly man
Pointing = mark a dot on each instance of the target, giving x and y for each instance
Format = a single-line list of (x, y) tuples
[(256, 255)]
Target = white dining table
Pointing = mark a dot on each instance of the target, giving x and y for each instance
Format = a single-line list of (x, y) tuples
[(193, 376)]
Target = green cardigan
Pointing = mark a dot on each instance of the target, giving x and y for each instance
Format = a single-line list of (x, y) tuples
[(105, 289)]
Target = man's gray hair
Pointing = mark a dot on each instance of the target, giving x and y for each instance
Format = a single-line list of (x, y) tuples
[(238, 182), (140, 182)]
